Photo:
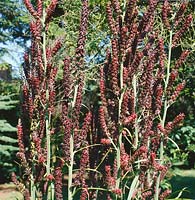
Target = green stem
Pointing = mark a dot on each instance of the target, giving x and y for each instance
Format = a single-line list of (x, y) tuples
[(121, 76), (75, 95), (92, 145), (118, 148), (118, 158), (50, 192), (169, 60), (48, 146), (32, 183), (70, 168), (122, 92), (103, 159), (134, 82), (44, 42), (156, 196), (32, 188), (124, 8)]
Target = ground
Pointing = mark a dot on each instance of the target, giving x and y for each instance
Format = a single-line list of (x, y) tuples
[(9, 192)]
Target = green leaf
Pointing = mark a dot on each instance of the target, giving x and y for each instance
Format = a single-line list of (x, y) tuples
[(6, 127), (191, 147), (8, 139), (133, 187), (6, 103), (7, 148)]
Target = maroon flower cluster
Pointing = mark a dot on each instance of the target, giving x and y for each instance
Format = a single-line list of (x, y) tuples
[(165, 194), (165, 13), (50, 10), (79, 54), (181, 31), (170, 125), (177, 91), (58, 183), (31, 9), (110, 180), (180, 13)]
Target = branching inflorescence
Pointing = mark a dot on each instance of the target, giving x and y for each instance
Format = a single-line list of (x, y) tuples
[(137, 86), (38, 148)]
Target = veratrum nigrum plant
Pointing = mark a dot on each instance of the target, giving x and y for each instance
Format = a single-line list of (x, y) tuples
[(117, 152)]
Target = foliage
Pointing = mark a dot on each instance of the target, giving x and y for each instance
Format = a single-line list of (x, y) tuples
[(14, 22), (13, 26), (10, 88), (184, 137), (8, 142), (7, 103)]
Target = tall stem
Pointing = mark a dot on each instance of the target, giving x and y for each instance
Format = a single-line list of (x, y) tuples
[(48, 165), (164, 113), (169, 60), (50, 192), (70, 168), (134, 82), (118, 157), (118, 150), (32, 189)]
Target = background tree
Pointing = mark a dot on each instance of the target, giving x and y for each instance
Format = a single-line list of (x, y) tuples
[(13, 24)]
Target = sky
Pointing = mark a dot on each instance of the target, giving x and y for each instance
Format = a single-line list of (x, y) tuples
[(14, 57)]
